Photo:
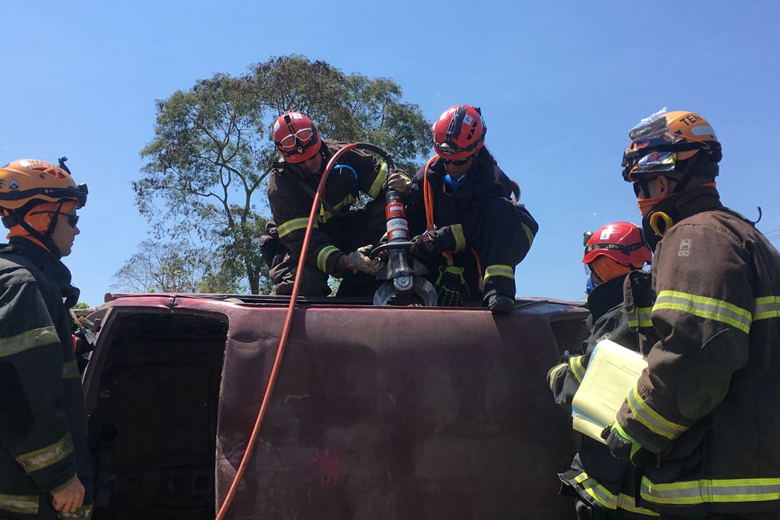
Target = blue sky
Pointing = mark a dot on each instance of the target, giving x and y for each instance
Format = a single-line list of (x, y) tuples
[(560, 85)]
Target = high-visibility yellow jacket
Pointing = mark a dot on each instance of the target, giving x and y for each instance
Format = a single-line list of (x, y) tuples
[(42, 413), (709, 402)]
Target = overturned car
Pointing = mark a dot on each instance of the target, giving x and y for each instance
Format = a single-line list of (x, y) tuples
[(379, 412)]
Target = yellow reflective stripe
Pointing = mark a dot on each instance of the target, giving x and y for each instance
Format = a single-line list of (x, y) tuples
[(82, 513), (577, 368), (27, 340), (554, 374), (379, 181), (499, 270), (47, 456), (704, 307), (22, 504), (529, 234), (640, 317), (651, 419), (322, 257), (70, 370), (608, 499), (708, 491), (460, 239), (325, 215), (767, 307), (293, 225)]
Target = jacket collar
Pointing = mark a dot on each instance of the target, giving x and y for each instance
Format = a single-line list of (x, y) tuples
[(49, 265), (606, 296)]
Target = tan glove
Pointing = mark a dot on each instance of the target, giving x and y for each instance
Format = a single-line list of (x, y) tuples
[(399, 181), (360, 261)]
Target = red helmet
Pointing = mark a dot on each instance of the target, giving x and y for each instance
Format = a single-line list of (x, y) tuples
[(296, 137), (459, 133), (623, 242)]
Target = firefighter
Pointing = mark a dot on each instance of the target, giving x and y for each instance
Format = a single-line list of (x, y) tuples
[(45, 469), (702, 421), (469, 232), (614, 255), (341, 238)]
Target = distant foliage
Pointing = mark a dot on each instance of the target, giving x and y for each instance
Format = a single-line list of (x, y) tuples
[(206, 165)]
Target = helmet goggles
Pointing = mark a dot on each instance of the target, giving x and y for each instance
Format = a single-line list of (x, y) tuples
[(296, 142), (654, 148)]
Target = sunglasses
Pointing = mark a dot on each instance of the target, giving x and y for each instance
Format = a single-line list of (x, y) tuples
[(456, 162), (73, 220), (291, 142)]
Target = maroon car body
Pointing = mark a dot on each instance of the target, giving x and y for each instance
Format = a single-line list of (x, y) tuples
[(379, 412)]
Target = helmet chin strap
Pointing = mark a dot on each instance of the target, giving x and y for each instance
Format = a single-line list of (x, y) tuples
[(44, 238)]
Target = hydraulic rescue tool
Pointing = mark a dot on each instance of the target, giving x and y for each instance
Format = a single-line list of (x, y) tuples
[(402, 272)]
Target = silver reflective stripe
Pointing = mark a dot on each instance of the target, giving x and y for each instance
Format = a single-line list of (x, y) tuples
[(70, 370), (47, 456), (608, 499), (651, 419), (577, 368), (767, 308), (640, 317), (705, 307), (323, 255), (23, 504), (708, 491), (27, 340), (500, 270)]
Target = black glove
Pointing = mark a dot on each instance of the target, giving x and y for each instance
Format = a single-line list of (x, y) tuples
[(623, 446), (424, 244), (451, 286)]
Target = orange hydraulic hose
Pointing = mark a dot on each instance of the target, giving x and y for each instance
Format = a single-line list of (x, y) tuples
[(428, 199), (285, 334)]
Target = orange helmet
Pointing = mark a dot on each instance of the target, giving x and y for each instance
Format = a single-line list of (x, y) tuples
[(26, 182), (661, 142)]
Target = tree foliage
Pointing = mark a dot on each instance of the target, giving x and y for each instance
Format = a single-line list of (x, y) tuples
[(206, 165)]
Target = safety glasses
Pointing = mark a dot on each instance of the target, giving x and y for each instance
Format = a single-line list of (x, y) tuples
[(297, 140), (456, 162), (73, 220)]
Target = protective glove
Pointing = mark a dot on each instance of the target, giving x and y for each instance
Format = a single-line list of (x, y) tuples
[(451, 286), (424, 244), (360, 261), (399, 181), (623, 446)]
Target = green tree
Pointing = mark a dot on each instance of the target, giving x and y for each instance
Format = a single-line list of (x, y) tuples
[(212, 149)]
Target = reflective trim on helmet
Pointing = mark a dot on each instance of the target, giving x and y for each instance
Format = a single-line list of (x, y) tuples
[(711, 491), (48, 456), (499, 270), (293, 225), (379, 182), (651, 419), (704, 307), (323, 255), (460, 238)]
